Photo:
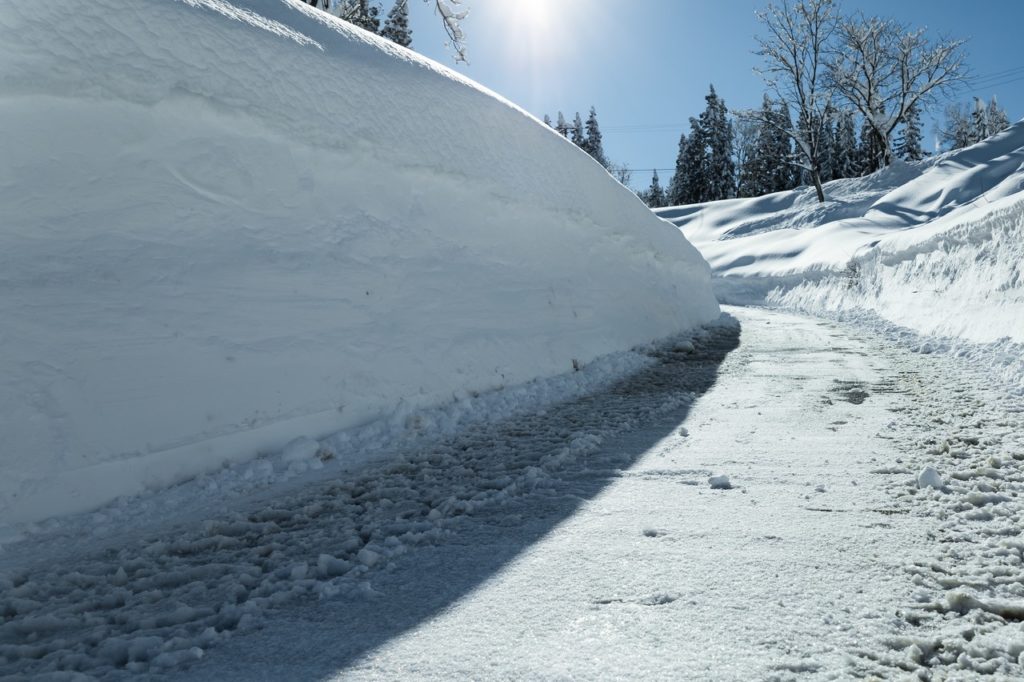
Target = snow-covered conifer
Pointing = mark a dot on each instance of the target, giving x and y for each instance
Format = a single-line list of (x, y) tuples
[(694, 185), (396, 26), (576, 132), (998, 121), (674, 195), (782, 173), (908, 145), (844, 146), (719, 170), (594, 146), (361, 13), (979, 121), (561, 126), (655, 195)]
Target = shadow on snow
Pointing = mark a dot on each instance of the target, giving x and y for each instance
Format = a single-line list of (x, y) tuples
[(322, 640)]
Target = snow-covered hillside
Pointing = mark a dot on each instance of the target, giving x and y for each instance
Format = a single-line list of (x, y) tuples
[(228, 224), (936, 246)]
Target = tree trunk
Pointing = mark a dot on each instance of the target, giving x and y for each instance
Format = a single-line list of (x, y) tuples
[(816, 177)]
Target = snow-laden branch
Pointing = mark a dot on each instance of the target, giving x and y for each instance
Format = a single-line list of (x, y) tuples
[(884, 70)]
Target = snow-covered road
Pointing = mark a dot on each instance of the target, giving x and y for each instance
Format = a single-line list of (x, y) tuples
[(585, 541)]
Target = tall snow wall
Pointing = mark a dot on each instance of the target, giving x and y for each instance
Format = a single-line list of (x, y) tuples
[(228, 224)]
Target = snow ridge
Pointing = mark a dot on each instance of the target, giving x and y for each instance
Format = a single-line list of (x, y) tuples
[(933, 247), (261, 223)]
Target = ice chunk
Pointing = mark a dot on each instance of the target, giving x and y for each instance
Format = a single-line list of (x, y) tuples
[(720, 482), (328, 566), (930, 478), (367, 557)]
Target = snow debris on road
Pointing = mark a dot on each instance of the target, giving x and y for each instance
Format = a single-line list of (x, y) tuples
[(966, 615), (159, 601), (720, 482), (930, 478)]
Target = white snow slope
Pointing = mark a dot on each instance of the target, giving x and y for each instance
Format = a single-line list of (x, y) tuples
[(936, 247), (230, 224)]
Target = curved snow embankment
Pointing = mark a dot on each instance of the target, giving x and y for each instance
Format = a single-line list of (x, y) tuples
[(961, 287), (780, 239), (228, 224), (932, 247)]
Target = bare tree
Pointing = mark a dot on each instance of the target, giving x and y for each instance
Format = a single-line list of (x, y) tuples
[(885, 70), (795, 64), (621, 172), (451, 19)]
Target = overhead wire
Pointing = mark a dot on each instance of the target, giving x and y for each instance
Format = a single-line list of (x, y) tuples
[(972, 84)]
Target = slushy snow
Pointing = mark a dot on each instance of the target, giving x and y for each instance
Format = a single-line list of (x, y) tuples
[(229, 225)]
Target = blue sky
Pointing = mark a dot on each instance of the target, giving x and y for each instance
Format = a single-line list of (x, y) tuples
[(646, 65)]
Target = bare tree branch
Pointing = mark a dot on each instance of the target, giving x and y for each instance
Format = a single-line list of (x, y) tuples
[(884, 69), (795, 51)]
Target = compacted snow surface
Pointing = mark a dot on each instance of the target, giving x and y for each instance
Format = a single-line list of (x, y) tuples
[(585, 540), (228, 225)]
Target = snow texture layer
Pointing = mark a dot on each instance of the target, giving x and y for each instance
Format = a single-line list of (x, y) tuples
[(936, 247), (231, 224)]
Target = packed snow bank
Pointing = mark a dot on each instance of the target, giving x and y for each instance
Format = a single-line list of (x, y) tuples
[(230, 224), (936, 247)]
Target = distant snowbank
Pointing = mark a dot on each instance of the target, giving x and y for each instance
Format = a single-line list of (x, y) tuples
[(229, 224), (961, 290), (935, 247)]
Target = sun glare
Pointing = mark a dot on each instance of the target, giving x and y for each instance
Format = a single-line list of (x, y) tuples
[(532, 16), (537, 29)]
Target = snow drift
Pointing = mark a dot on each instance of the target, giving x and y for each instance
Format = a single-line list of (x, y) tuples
[(935, 246), (229, 224)]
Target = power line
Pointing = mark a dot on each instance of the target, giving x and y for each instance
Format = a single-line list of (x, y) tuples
[(984, 81)]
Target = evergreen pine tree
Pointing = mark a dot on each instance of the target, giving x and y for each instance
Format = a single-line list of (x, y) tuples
[(674, 196), (547, 121), (396, 26), (719, 169), (828, 153), (362, 14), (561, 126), (594, 147), (979, 122), (655, 195), (576, 133), (845, 147), (908, 144), (781, 173), (998, 121), (695, 166), (756, 168)]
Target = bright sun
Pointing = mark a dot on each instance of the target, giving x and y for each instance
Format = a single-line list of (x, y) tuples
[(533, 16), (538, 29)]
